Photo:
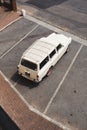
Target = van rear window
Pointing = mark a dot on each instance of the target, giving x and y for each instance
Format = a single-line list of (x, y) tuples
[(29, 64)]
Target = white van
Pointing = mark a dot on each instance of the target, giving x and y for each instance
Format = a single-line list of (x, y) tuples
[(43, 54)]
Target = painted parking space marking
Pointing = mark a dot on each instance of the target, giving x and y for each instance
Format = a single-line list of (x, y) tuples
[(39, 96), (61, 82), (33, 109), (12, 34), (70, 104), (58, 87), (19, 41), (10, 61)]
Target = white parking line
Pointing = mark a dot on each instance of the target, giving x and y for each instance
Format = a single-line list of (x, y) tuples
[(57, 29), (16, 82), (61, 82), (18, 42), (10, 23), (33, 109)]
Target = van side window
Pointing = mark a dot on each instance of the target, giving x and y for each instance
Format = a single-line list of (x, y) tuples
[(59, 46), (44, 62), (52, 53)]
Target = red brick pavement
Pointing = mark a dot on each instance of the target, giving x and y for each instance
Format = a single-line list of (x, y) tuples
[(7, 17), (19, 112)]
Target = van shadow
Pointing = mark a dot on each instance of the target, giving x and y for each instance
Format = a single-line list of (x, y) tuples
[(23, 81), (43, 4), (27, 83), (15, 77)]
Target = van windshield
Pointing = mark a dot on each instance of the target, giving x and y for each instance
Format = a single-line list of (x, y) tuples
[(29, 64)]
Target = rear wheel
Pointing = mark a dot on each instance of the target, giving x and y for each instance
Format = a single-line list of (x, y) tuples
[(49, 71), (67, 50)]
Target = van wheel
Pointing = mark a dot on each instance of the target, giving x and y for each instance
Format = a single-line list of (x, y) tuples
[(49, 71), (67, 50)]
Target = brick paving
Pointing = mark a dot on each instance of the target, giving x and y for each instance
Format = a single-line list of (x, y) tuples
[(7, 17), (19, 112)]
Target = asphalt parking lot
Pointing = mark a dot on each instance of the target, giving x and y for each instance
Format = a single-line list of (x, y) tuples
[(68, 15), (61, 96)]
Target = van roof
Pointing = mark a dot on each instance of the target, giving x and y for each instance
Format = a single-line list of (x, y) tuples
[(42, 47), (38, 51), (56, 39)]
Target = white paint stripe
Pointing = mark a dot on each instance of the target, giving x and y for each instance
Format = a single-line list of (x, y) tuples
[(16, 82), (61, 82), (10, 23), (57, 29), (33, 109), (18, 42)]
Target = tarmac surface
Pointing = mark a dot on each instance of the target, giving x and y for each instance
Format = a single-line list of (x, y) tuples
[(61, 96), (68, 15)]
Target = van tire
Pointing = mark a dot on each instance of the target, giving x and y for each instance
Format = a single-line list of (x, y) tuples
[(67, 50), (49, 71)]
